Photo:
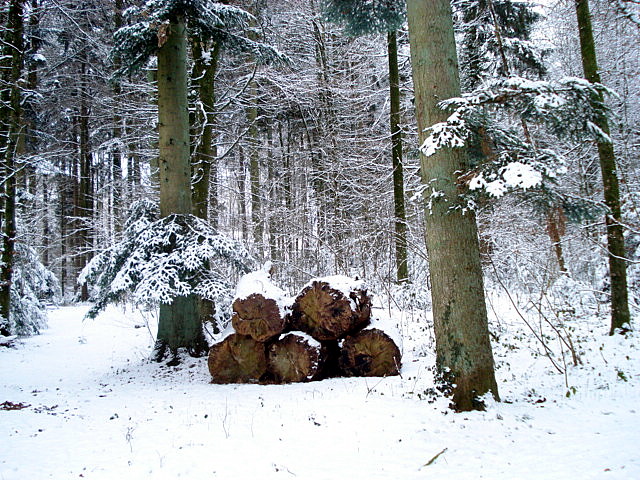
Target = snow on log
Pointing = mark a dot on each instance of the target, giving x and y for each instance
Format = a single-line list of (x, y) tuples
[(295, 357), (330, 308), (370, 353), (261, 308), (237, 359), (258, 317)]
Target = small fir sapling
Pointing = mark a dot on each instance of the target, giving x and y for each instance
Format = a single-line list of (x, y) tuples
[(158, 260), (34, 285)]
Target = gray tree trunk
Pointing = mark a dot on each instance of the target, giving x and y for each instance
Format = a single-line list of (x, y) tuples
[(463, 348), (179, 325)]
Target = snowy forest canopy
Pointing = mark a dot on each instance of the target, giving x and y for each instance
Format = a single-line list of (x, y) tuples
[(289, 119)]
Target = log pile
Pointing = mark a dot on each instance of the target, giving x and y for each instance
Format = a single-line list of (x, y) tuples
[(320, 333)]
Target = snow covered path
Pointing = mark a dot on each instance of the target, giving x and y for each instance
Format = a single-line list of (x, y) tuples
[(98, 409)]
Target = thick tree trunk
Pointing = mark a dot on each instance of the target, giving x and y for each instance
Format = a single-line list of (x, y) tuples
[(204, 157), (620, 317), (179, 325), (14, 49), (402, 269), (463, 348)]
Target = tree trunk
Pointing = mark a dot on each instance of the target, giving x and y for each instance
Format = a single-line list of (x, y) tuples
[(237, 359), (85, 191), (204, 157), (620, 317), (258, 317), (326, 313), (402, 269), (463, 348), (370, 353), (14, 50), (179, 326), (296, 358), (117, 154)]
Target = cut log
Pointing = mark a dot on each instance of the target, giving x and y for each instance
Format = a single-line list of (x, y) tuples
[(237, 359), (327, 313), (296, 357), (258, 317), (370, 353)]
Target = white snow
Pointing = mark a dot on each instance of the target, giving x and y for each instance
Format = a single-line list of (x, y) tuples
[(341, 283), (260, 282), (96, 408), (312, 342)]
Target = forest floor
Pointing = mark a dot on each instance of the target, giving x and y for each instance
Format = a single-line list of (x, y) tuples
[(82, 400)]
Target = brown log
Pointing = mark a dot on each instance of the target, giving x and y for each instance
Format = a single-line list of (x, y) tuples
[(237, 359), (370, 353), (327, 314), (258, 317), (294, 358)]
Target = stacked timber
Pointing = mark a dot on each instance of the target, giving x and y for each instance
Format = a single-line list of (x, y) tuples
[(320, 333)]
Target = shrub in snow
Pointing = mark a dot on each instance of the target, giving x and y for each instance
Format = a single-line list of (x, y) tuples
[(158, 260), (32, 286)]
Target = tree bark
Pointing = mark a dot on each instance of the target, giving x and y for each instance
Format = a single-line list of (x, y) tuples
[(463, 348), (11, 119), (620, 316), (402, 269), (117, 154), (204, 157), (179, 326)]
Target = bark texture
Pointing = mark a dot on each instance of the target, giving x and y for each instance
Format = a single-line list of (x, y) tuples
[(179, 324), (402, 269), (620, 316), (463, 347), (10, 121)]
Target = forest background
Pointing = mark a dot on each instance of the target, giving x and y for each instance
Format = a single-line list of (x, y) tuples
[(296, 155)]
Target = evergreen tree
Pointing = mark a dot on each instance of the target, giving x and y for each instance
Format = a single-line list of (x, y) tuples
[(12, 64), (160, 27), (496, 41)]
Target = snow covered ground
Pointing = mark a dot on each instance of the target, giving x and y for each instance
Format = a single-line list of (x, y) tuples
[(96, 408)]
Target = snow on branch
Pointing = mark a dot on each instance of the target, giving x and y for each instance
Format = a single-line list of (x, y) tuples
[(568, 108), (630, 9), (137, 42), (158, 260)]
